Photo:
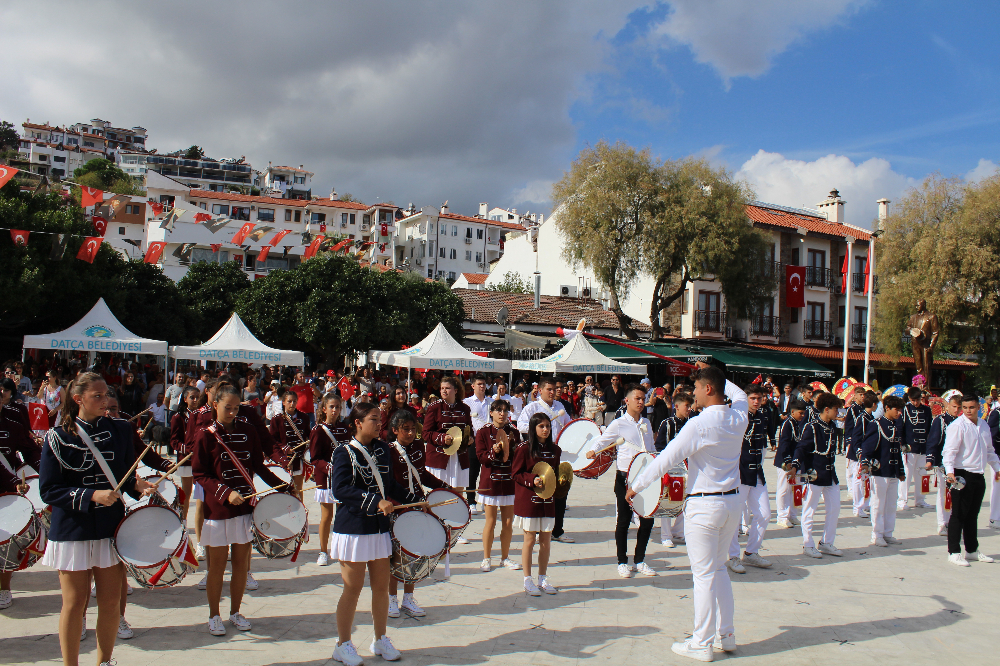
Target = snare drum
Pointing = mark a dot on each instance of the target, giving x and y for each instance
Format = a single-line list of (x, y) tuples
[(280, 525), (150, 542), (260, 487), (22, 537), (455, 516), (574, 440), (419, 541), (646, 502), (34, 495), (167, 496)]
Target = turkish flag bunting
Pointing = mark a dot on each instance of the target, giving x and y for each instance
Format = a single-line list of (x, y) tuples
[(90, 196), (278, 236), (339, 246), (385, 230), (100, 225), (843, 274), (868, 269), (20, 237), (322, 228), (242, 234), (312, 249), (153, 252), (6, 173), (39, 415), (795, 278), (264, 251), (216, 247), (89, 249), (202, 217), (157, 208)]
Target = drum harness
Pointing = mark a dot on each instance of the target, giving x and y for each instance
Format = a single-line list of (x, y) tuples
[(411, 470), (236, 461)]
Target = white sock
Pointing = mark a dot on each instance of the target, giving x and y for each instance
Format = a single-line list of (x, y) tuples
[(527, 579)]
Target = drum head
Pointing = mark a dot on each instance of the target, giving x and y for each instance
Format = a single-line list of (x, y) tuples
[(166, 488), (419, 533), (453, 515), (258, 483), (15, 514), (575, 440), (34, 494), (148, 535), (279, 516), (646, 501)]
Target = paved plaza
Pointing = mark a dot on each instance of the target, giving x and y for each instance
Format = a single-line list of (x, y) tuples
[(898, 605)]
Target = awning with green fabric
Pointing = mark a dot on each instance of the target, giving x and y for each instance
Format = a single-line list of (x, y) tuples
[(745, 359), (633, 356)]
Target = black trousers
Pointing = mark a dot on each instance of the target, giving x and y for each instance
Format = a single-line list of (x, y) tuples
[(473, 476), (557, 530), (965, 505), (624, 520)]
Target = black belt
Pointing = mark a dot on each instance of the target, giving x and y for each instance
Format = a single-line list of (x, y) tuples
[(725, 492)]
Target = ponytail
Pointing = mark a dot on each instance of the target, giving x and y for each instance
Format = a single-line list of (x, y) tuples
[(71, 409)]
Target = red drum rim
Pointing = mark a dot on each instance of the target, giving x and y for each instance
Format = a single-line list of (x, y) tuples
[(410, 553), (459, 496), (24, 529), (656, 505)]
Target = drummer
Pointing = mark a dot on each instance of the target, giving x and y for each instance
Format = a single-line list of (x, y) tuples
[(637, 436), (532, 513), (287, 430), (329, 433), (439, 417), (16, 449), (178, 426), (496, 455), (672, 529), (228, 449)]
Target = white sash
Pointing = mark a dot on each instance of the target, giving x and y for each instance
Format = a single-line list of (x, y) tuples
[(3, 459), (413, 470), (371, 465), (101, 462)]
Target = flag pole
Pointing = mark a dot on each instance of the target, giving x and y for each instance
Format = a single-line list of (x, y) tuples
[(847, 306)]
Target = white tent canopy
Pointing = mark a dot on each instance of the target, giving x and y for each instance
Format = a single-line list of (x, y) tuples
[(578, 357), (440, 351), (98, 331), (234, 343)]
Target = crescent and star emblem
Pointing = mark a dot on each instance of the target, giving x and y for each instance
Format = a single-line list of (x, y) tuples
[(92, 245), (792, 278)]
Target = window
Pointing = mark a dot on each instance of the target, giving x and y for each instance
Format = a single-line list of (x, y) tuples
[(442, 253), (451, 275), (299, 180), (817, 258), (43, 158), (708, 301), (816, 311), (454, 254), (121, 231), (240, 213), (794, 316), (708, 317), (353, 218), (343, 219), (468, 255), (265, 214), (298, 216), (133, 209), (686, 302), (430, 228), (842, 316), (479, 257), (203, 205), (58, 158), (366, 218), (468, 232), (479, 234), (89, 143), (430, 273), (288, 215), (859, 264), (220, 209), (206, 255), (430, 252), (795, 256), (318, 218), (454, 230), (73, 142)]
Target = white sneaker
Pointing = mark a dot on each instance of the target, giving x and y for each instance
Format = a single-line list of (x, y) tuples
[(892, 541), (203, 583), (794, 521), (6, 598), (979, 556), (93, 590), (669, 543), (879, 541), (685, 649), (240, 622), (384, 648), (511, 564), (562, 538), (785, 522), (546, 586), (733, 564), (411, 607), (486, 565), (923, 505), (863, 514), (744, 530), (624, 571), (128, 589), (726, 643), (347, 654), (393, 606), (215, 626), (829, 549), (943, 530), (645, 569), (462, 540), (956, 558), (531, 588), (199, 551), (124, 630), (995, 524), (809, 551), (755, 560), (83, 630), (252, 584), (323, 560)]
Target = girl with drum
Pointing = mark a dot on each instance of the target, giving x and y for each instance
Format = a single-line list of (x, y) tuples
[(329, 433), (287, 430), (532, 513), (82, 462), (178, 427), (16, 449), (363, 482), (227, 454), (496, 493)]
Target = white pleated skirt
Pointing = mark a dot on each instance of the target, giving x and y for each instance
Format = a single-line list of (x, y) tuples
[(198, 493), (325, 496), (534, 524), (80, 555), (227, 532), (360, 547), (453, 475), (495, 500), (185, 472)]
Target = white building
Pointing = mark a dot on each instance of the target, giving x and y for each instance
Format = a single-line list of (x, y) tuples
[(285, 182), (56, 152), (203, 174)]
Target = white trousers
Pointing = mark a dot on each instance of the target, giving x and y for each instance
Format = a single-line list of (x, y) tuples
[(994, 496), (671, 527), (756, 501), (943, 515), (856, 487), (831, 504), (914, 466), (709, 526), (884, 491), (785, 497)]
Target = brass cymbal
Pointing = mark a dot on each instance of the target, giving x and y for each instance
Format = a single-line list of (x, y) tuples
[(456, 440), (563, 480), (544, 471)]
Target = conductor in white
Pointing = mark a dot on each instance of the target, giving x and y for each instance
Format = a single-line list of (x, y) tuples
[(711, 443)]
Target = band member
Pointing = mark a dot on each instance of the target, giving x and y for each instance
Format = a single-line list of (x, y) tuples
[(852, 447), (788, 438), (397, 401), (935, 447), (635, 435), (288, 432), (16, 449), (329, 433), (672, 529), (753, 486), (968, 451), (408, 452), (496, 455), (479, 411), (917, 419), (806, 395), (11, 407), (993, 421), (364, 484), (882, 461), (226, 456), (81, 464), (817, 452), (178, 428), (534, 515), (711, 443), (440, 415)]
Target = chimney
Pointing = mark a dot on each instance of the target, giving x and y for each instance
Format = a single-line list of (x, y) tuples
[(484, 209), (302, 166), (513, 210), (444, 208), (883, 211), (333, 194), (832, 207)]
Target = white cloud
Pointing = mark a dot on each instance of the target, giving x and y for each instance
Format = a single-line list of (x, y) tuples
[(779, 180), (740, 38), (536, 192), (984, 169)]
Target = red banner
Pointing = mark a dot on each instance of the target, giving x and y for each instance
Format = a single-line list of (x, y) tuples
[(925, 484), (278, 236), (153, 252), (6, 173), (157, 208), (90, 196), (39, 415), (89, 249), (242, 234), (312, 249), (100, 225), (264, 251), (868, 268), (216, 247), (202, 217), (797, 495), (947, 499), (795, 279), (20, 237), (385, 229), (843, 274)]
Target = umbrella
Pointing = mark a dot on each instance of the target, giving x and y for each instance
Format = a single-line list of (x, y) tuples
[(937, 404), (819, 386), (946, 396), (849, 391), (897, 390), (843, 384)]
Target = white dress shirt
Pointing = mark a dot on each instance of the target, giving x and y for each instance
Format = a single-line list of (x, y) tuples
[(711, 443), (516, 405), (969, 446), (480, 410), (556, 414), (638, 437)]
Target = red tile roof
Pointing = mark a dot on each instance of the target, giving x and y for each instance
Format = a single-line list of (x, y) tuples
[(482, 306), (829, 354), (291, 169), (765, 215), (479, 220), (293, 203), (476, 278)]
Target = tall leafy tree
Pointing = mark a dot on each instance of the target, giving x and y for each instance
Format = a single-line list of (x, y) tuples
[(212, 290)]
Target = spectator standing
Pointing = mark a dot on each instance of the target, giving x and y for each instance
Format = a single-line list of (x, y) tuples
[(614, 394), (175, 395), (307, 396)]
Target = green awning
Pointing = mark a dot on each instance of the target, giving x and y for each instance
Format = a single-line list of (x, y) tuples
[(745, 359), (633, 356)]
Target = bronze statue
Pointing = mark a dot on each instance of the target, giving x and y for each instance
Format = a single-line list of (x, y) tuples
[(924, 330)]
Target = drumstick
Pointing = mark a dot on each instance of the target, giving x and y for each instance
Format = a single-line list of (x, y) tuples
[(140, 413), (134, 466), (262, 492), (172, 469), (430, 506), (617, 442)]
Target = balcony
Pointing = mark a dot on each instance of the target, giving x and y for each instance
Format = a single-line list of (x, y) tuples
[(709, 321), (735, 334), (817, 276), (770, 270), (765, 326), (817, 329), (858, 333)]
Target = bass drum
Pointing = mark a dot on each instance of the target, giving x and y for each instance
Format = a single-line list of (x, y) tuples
[(22, 536), (575, 439), (151, 542), (280, 525), (419, 540), (674, 483), (455, 516), (646, 502)]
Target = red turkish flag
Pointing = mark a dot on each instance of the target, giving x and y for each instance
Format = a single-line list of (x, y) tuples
[(346, 388), (795, 280), (868, 488), (868, 268), (312, 249), (90, 196), (797, 496), (385, 229), (843, 274), (153, 252), (39, 415), (157, 208), (278, 236), (339, 245), (947, 499), (242, 234), (100, 225), (89, 249), (20, 237), (264, 251), (675, 488), (322, 228), (216, 247), (202, 217), (6, 173), (925, 484)]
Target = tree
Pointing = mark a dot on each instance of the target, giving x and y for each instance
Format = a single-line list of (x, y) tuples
[(941, 244), (512, 283), (194, 153), (346, 196), (212, 290), (105, 175), (9, 138)]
